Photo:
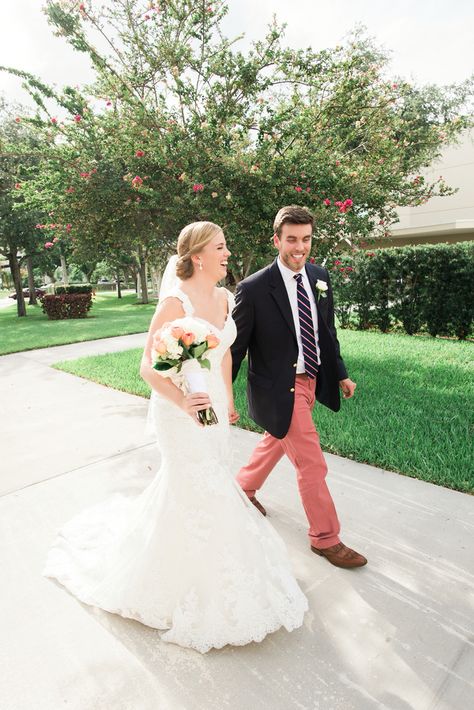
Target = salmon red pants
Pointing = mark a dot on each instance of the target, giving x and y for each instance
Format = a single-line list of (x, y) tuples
[(301, 445)]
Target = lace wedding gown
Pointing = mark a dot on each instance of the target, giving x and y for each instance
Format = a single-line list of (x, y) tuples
[(190, 555)]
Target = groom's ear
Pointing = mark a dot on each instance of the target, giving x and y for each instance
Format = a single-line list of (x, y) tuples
[(276, 241)]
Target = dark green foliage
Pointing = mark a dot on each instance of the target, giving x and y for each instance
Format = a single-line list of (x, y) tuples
[(420, 288)]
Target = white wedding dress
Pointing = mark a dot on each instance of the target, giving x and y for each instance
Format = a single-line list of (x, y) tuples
[(190, 555)]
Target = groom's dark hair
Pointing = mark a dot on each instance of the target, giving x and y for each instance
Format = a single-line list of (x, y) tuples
[(292, 214)]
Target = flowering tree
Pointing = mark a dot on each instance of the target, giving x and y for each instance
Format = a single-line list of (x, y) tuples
[(180, 126)]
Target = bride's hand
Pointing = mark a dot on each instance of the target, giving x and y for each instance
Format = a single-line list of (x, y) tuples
[(194, 403), (234, 416)]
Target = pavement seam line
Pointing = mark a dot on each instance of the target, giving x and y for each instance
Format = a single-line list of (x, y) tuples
[(78, 468)]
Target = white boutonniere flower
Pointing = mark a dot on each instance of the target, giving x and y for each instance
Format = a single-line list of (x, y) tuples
[(321, 288)]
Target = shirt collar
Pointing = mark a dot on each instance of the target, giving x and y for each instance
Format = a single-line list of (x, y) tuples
[(288, 274)]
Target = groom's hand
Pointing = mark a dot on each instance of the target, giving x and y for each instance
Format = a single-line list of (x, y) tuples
[(234, 416), (347, 387)]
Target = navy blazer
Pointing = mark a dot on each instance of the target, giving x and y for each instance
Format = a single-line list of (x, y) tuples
[(266, 331)]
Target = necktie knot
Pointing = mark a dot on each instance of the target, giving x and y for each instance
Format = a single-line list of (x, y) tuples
[(298, 278)]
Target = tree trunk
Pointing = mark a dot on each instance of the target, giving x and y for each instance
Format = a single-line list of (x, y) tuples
[(143, 276), (31, 281), (64, 270), (16, 276), (119, 290)]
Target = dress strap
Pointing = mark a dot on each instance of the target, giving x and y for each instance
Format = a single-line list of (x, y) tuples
[(184, 298), (230, 300)]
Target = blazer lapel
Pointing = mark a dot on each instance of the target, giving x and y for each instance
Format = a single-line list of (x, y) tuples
[(280, 295)]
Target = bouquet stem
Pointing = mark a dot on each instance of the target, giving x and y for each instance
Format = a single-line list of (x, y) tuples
[(207, 416)]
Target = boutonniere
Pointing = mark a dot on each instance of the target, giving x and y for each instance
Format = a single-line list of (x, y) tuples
[(321, 288)]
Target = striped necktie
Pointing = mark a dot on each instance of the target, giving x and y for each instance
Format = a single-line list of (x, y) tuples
[(306, 328)]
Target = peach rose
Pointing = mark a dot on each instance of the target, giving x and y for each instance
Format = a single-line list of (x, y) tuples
[(187, 339), (160, 347), (212, 341), (177, 332)]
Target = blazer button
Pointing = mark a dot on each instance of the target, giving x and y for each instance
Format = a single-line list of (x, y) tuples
[(292, 389)]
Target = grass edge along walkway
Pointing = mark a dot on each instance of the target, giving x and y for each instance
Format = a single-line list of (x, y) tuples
[(411, 413), (109, 317)]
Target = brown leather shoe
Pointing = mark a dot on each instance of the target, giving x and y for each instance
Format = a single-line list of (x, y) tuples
[(341, 556), (258, 505)]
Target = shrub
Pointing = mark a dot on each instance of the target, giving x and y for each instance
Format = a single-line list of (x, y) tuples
[(74, 288), (426, 286), (66, 305)]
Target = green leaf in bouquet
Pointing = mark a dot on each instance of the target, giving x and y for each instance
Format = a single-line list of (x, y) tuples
[(205, 363), (186, 351), (199, 350), (163, 365)]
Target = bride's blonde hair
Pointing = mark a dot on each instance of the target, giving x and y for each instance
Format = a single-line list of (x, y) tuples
[(192, 239)]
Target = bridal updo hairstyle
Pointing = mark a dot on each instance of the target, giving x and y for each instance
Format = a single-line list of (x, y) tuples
[(192, 239)]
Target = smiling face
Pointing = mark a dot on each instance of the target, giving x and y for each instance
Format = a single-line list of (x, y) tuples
[(294, 244), (213, 257)]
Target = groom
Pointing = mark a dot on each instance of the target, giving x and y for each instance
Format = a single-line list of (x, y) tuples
[(285, 321)]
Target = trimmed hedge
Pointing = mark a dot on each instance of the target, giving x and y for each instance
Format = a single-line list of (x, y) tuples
[(66, 305), (425, 287), (73, 288)]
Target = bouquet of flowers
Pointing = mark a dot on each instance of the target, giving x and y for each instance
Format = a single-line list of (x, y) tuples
[(179, 349)]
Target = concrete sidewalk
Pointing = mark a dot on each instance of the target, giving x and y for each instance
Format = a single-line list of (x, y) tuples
[(397, 634)]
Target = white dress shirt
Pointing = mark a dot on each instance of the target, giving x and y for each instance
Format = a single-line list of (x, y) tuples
[(291, 285)]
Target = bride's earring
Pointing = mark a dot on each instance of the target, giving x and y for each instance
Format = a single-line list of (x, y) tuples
[(200, 265)]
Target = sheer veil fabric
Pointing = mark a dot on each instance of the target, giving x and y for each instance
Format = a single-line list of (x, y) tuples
[(190, 556)]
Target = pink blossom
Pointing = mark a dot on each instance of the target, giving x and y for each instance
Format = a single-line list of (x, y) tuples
[(298, 189), (70, 190), (85, 175), (348, 202), (54, 120), (338, 162), (312, 260), (147, 17), (109, 103), (78, 118), (327, 202), (198, 187), (139, 153), (48, 245), (18, 186), (308, 189), (17, 119), (56, 239), (337, 262), (137, 181), (68, 227)]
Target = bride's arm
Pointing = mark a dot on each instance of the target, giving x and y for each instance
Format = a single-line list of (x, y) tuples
[(227, 375), (168, 311)]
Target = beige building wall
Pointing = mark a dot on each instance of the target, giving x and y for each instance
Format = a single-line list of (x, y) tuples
[(442, 219)]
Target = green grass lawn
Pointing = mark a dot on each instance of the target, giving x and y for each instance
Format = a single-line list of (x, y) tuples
[(412, 413), (108, 316)]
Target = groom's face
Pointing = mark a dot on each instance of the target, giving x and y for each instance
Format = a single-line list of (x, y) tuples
[(294, 245)]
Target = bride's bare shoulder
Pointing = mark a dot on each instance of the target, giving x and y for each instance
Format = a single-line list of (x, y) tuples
[(170, 308)]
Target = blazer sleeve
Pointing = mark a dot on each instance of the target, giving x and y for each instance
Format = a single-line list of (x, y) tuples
[(243, 315), (341, 368)]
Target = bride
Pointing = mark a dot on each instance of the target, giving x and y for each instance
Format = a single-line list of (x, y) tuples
[(191, 555)]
